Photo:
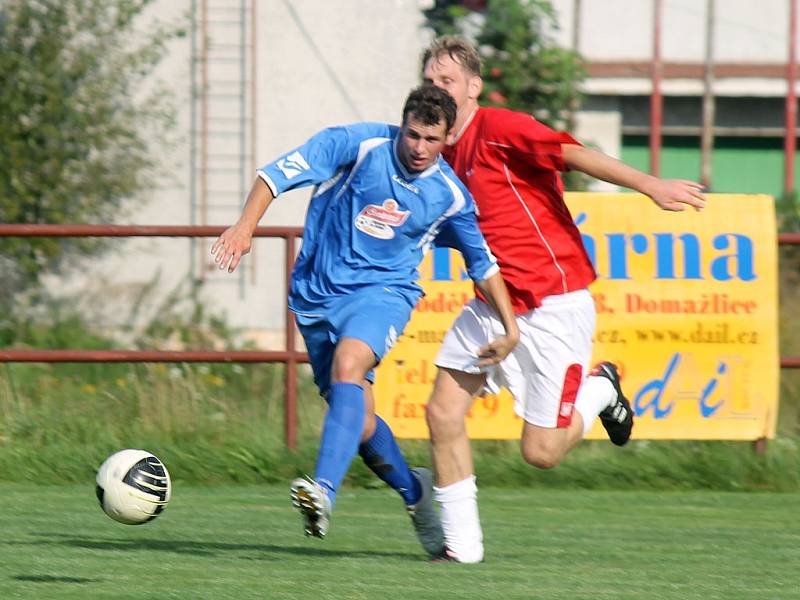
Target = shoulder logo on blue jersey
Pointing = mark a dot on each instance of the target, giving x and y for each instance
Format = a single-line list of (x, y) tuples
[(293, 165), (379, 221)]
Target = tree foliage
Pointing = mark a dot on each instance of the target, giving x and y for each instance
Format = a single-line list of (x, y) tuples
[(445, 17), (524, 69), (75, 122)]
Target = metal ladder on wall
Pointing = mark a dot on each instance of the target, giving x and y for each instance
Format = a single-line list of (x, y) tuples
[(222, 127)]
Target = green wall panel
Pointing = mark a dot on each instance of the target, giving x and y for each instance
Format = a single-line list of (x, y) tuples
[(739, 165)]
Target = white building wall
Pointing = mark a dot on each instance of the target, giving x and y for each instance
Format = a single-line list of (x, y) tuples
[(752, 31), (622, 31), (324, 63), (749, 31), (321, 63), (106, 290), (616, 30)]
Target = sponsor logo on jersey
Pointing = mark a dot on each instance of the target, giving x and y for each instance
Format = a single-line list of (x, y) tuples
[(380, 221), (292, 165), (409, 186)]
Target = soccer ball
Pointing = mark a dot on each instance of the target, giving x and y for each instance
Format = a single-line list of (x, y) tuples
[(133, 486)]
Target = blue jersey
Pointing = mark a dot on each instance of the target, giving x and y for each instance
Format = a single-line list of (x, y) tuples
[(370, 221)]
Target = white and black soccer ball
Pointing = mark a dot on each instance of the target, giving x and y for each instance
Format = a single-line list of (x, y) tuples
[(133, 486)]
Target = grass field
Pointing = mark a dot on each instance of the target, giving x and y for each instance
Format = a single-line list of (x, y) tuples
[(246, 542)]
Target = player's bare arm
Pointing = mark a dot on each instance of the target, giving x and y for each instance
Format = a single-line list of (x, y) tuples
[(668, 194), (494, 290), (236, 240)]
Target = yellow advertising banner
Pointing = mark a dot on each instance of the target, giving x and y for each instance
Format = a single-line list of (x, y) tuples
[(687, 307)]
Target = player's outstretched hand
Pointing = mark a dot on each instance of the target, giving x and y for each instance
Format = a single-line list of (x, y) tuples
[(231, 245), (495, 352), (677, 194)]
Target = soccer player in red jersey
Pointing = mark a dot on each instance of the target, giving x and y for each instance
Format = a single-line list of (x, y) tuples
[(511, 163)]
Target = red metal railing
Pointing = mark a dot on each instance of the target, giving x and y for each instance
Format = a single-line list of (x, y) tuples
[(289, 356)]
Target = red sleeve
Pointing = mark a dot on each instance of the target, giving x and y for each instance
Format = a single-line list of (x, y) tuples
[(526, 139)]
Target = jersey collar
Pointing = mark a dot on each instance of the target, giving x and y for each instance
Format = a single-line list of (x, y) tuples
[(465, 125)]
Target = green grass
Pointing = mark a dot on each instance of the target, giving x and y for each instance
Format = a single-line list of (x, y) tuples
[(220, 423), (245, 542), (224, 424)]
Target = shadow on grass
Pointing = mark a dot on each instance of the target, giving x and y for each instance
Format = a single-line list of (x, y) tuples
[(52, 579), (201, 548)]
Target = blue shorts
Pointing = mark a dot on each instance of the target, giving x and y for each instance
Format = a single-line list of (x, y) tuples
[(375, 315)]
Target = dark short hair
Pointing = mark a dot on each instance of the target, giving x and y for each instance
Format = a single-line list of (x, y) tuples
[(429, 104)]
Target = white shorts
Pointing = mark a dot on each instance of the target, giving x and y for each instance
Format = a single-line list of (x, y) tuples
[(545, 370)]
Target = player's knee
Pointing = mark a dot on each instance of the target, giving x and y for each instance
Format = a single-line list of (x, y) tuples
[(539, 457), (347, 369), (441, 418)]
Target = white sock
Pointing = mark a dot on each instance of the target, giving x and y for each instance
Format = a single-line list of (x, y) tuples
[(460, 520), (594, 395)]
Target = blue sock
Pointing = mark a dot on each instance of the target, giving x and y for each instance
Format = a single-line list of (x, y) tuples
[(382, 454), (341, 433)]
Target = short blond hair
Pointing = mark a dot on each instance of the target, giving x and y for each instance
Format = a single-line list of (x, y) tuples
[(457, 48)]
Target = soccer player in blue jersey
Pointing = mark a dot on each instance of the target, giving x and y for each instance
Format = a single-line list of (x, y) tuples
[(383, 197)]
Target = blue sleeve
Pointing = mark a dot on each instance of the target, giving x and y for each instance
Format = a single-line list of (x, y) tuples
[(321, 157), (462, 233)]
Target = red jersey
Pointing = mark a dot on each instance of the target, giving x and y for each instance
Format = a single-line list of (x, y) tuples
[(511, 162)]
